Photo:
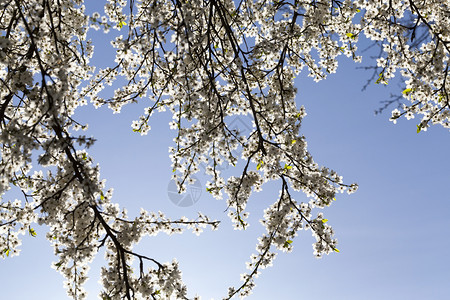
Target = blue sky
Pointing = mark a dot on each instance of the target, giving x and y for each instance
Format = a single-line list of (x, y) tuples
[(392, 233)]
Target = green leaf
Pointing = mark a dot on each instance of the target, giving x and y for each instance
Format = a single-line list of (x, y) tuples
[(358, 10), (7, 252), (351, 35), (336, 250), (209, 190), (418, 128), (381, 79), (121, 24), (83, 156), (241, 221), (259, 165), (324, 220), (406, 91), (287, 243), (293, 142), (102, 197), (32, 232), (287, 167)]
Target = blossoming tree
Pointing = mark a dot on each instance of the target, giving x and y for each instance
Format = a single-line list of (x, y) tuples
[(204, 61)]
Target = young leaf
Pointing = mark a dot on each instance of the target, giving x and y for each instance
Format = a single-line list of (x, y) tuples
[(406, 91), (287, 243), (32, 232), (351, 35), (287, 167), (381, 79), (259, 165)]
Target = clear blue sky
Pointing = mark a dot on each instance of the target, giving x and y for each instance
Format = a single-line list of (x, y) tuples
[(393, 233)]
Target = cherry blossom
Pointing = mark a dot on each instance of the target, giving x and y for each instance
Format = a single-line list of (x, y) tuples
[(204, 61)]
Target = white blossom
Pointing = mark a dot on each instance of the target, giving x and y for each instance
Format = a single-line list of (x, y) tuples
[(204, 61)]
